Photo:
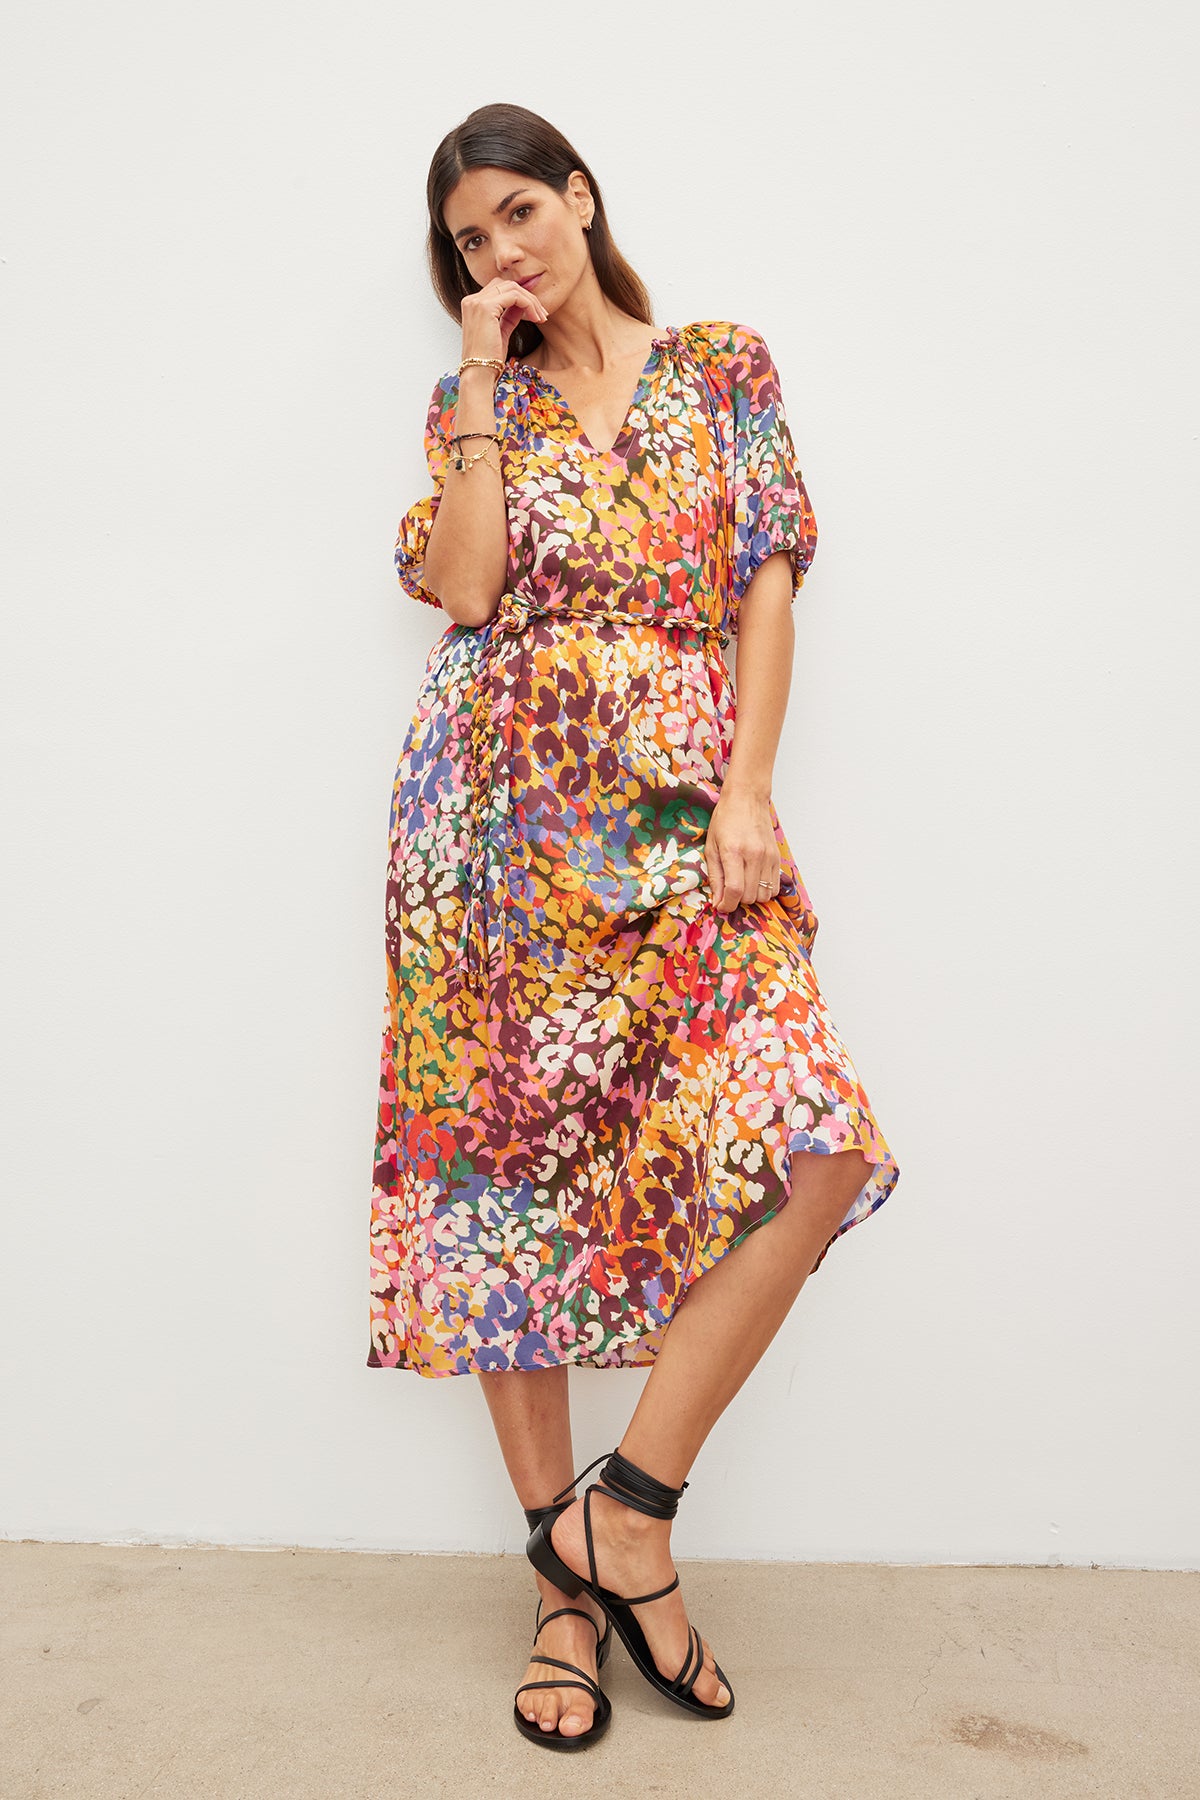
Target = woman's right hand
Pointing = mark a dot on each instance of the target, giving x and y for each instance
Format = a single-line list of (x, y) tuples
[(490, 317)]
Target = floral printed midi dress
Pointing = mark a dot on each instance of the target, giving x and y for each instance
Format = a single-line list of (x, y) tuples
[(592, 1083)]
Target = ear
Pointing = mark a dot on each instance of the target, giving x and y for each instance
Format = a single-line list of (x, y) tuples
[(581, 195)]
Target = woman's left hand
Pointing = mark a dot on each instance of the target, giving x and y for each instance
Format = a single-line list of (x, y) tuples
[(740, 850)]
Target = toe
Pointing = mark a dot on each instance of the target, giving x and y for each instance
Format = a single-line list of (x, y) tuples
[(709, 1687), (549, 1718)]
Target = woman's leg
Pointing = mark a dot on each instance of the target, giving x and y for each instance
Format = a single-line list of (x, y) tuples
[(718, 1333), (731, 1313), (531, 1413)]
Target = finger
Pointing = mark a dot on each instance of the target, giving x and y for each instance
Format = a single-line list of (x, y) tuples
[(529, 303), (527, 306), (716, 874), (768, 880), (735, 879), (526, 293), (525, 299), (756, 880)]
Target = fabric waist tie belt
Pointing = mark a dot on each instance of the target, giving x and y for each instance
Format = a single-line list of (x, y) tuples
[(482, 947)]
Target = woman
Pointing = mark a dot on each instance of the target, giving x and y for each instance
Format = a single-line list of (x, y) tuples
[(606, 1059)]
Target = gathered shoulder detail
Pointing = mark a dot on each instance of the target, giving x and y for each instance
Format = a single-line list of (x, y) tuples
[(722, 344)]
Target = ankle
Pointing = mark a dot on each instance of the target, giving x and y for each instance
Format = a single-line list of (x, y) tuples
[(625, 1523)]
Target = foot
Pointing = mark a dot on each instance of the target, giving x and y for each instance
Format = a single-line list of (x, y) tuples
[(569, 1710), (633, 1556)]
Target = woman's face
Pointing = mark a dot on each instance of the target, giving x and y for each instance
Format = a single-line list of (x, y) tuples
[(519, 229)]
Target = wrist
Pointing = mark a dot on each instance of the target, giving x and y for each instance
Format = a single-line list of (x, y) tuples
[(747, 786), (475, 408), (477, 378)]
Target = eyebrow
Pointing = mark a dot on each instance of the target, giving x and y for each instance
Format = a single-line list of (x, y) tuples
[(508, 199)]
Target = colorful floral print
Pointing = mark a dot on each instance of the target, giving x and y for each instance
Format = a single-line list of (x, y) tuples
[(592, 1083)]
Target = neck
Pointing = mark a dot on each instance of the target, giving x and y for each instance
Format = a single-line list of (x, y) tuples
[(593, 336)]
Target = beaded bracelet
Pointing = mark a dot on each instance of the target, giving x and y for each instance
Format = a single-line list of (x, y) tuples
[(487, 362)]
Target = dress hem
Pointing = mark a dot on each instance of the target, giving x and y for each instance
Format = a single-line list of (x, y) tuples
[(887, 1162)]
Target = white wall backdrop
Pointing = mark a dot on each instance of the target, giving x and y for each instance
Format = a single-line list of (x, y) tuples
[(969, 238)]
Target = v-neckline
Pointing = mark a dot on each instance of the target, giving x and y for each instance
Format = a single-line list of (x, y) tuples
[(657, 344)]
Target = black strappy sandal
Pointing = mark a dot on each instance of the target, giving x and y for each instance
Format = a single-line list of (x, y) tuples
[(557, 1740), (624, 1481)]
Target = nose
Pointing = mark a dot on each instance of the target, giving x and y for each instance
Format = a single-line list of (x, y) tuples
[(508, 254)]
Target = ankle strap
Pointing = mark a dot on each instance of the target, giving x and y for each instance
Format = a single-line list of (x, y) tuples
[(652, 1495), (560, 1501), (642, 1491), (535, 1514)]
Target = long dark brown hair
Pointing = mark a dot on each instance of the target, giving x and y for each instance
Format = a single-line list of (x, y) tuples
[(512, 137)]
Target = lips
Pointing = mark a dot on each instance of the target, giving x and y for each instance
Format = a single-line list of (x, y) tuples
[(529, 280)]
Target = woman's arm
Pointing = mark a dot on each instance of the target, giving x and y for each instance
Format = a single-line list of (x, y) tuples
[(740, 849), (466, 558)]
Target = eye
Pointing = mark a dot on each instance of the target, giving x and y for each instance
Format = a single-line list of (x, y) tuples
[(526, 206)]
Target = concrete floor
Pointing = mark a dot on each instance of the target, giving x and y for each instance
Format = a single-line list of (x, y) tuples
[(145, 1673)]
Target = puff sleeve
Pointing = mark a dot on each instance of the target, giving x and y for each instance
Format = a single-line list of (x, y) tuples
[(413, 533), (770, 508)]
